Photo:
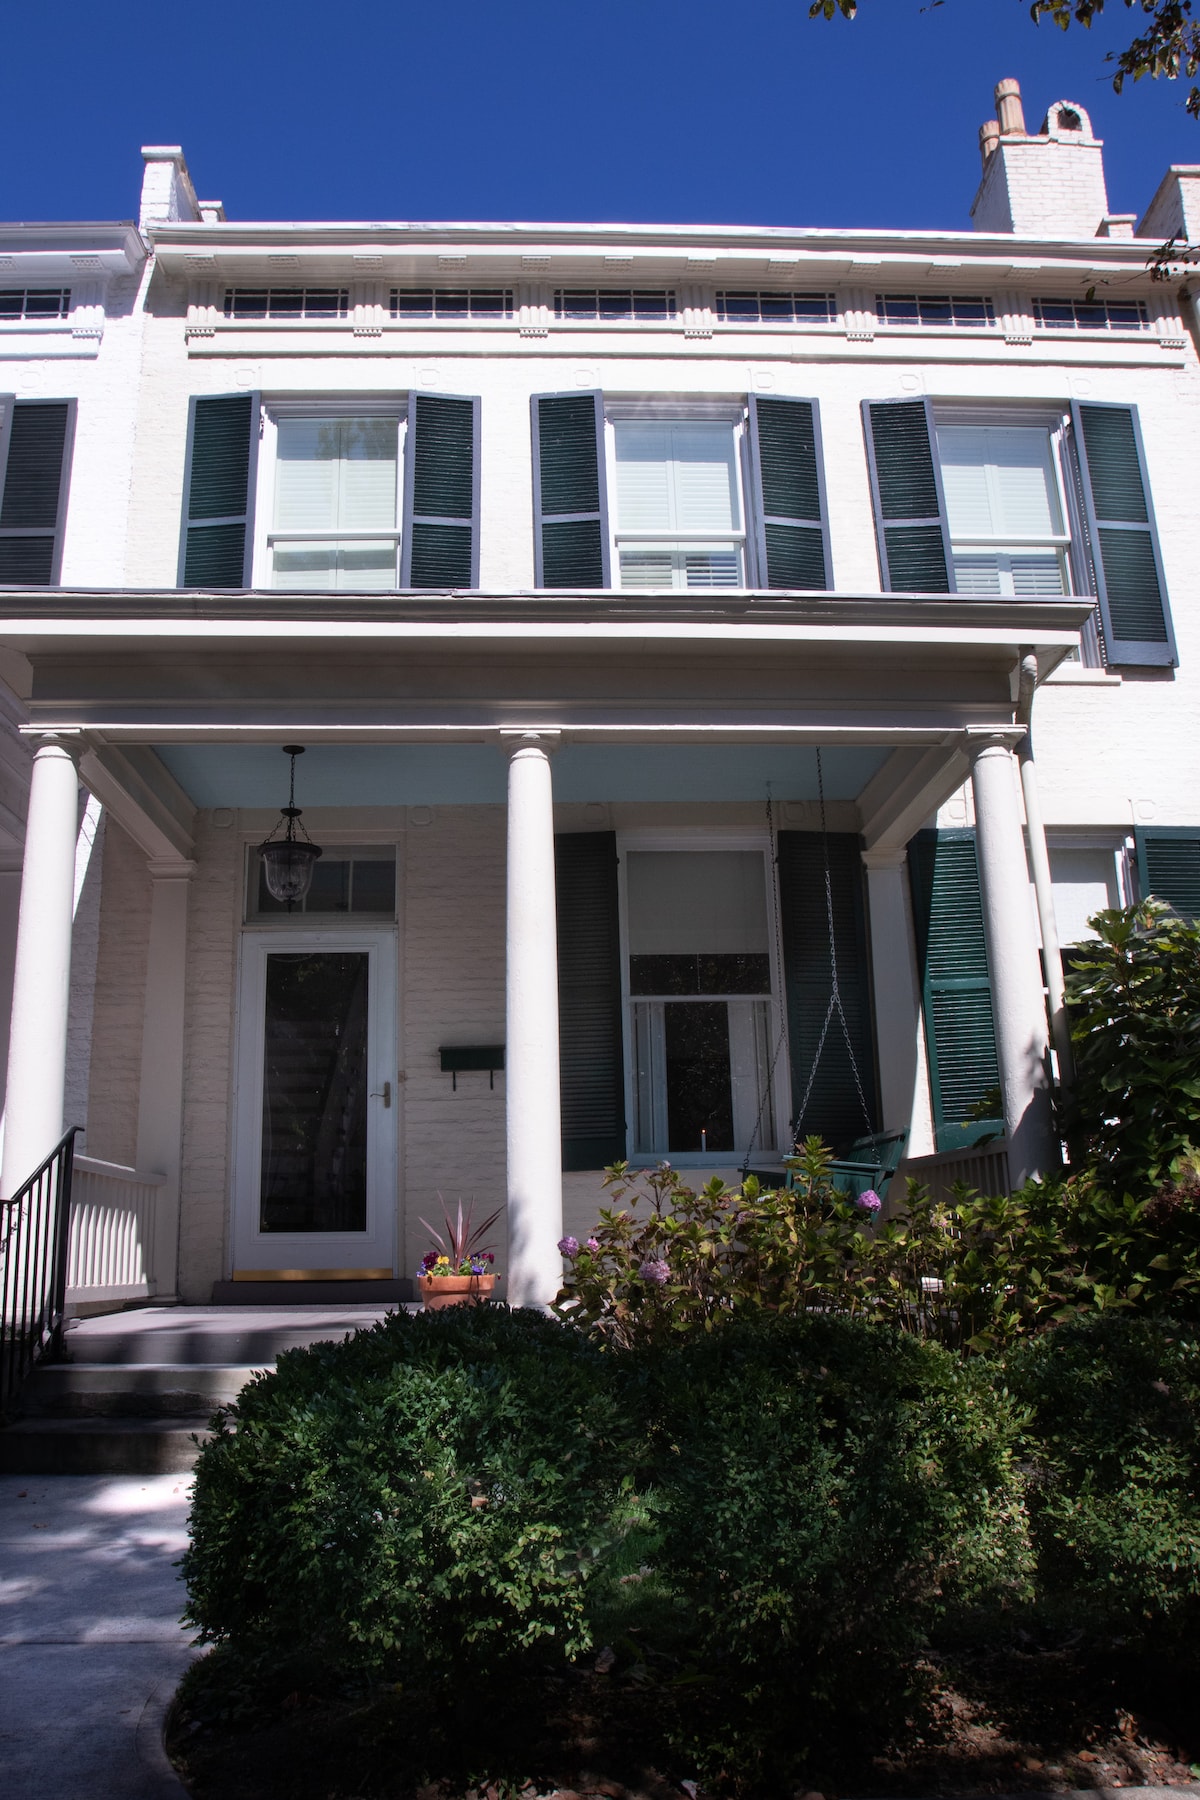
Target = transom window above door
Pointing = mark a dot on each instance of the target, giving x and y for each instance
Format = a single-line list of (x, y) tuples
[(1005, 509), (336, 516), (679, 516)]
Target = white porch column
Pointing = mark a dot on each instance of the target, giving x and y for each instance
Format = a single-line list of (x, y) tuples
[(532, 1116), (1022, 1046), (897, 1001), (37, 1045), (160, 1103)]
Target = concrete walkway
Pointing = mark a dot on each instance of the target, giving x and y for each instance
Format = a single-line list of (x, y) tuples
[(91, 1648)]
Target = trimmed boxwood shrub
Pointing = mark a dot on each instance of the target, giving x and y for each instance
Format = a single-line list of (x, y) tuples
[(830, 1490), (1113, 1437), (429, 1493), (436, 1497)]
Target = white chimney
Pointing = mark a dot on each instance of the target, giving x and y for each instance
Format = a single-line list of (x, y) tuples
[(1050, 185), (168, 196)]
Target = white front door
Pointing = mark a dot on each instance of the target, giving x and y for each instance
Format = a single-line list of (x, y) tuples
[(315, 1135)]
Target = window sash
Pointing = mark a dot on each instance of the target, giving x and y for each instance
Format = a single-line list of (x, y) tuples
[(678, 503)]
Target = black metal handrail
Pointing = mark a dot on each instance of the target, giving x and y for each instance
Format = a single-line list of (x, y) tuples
[(35, 1228)]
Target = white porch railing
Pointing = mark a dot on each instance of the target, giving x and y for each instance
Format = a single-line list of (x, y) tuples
[(111, 1250), (983, 1167)]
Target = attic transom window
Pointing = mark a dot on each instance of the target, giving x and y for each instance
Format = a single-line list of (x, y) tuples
[(613, 303), (758, 308), (451, 303), (287, 303), (935, 309), (1091, 315), (34, 303)]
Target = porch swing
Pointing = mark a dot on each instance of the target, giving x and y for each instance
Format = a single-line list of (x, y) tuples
[(872, 1159)]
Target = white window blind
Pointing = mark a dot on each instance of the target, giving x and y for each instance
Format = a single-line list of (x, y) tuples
[(685, 902), (1002, 501), (679, 518), (335, 520)]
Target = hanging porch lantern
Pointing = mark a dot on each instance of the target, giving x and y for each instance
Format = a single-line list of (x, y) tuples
[(289, 860)]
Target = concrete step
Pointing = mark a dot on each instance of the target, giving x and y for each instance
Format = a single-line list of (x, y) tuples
[(238, 1336), (131, 1390), (101, 1446), (380, 1294)]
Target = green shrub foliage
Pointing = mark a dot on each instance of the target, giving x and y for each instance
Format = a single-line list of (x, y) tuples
[(431, 1492), (829, 1490), (1134, 999), (1113, 1438)]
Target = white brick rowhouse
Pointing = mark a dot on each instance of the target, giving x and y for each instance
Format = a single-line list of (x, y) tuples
[(623, 586)]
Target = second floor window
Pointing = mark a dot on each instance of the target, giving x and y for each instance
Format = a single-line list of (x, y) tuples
[(335, 517), (679, 511), (1005, 509)]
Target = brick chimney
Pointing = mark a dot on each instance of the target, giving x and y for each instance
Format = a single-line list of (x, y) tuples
[(1050, 185)]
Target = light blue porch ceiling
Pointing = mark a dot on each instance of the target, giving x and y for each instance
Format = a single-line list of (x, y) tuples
[(248, 775)]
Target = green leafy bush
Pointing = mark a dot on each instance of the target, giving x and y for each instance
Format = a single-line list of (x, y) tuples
[(1113, 1437), (827, 1491), (1134, 998), (429, 1493)]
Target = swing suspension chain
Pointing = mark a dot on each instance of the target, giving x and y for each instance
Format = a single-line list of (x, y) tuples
[(768, 1085), (835, 992)]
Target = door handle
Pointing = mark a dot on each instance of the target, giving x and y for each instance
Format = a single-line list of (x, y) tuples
[(384, 1094)]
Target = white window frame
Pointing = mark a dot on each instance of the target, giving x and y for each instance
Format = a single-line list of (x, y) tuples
[(781, 1094), (676, 412), (1073, 543), (340, 406)]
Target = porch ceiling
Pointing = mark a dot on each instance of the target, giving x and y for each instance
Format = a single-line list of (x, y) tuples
[(254, 775)]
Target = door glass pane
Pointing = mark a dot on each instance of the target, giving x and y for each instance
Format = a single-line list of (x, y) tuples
[(314, 1147), (699, 1091)]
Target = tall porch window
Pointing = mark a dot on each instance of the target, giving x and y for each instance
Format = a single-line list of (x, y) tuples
[(702, 1011)]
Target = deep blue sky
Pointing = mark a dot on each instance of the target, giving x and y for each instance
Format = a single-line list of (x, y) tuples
[(721, 111)]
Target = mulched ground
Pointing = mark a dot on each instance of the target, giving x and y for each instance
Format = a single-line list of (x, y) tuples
[(1024, 1718)]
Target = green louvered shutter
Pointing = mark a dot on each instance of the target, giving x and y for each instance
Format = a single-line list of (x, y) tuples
[(910, 508), (591, 1067), (1125, 552), (960, 1035), (834, 1111), (35, 455), (789, 493), (440, 547), (1169, 868), (570, 515), (216, 550)]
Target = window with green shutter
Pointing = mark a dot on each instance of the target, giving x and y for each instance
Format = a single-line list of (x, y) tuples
[(441, 492), (591, 1071), (834, 1110), (35, 457), (569, 501), (910, 508), (787, 470), (1130, 585), (960, 1037), (222, 449), (1169, 867)]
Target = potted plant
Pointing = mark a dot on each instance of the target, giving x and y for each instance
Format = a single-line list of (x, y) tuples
[(461, 1268)]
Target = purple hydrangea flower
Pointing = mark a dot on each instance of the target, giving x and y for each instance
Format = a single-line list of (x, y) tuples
[(869, 1201), (656, 1272), (568, 1247), (593, 1244)]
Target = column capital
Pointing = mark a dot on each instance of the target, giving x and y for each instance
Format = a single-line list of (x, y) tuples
[(170, 868), (535, 738), (72, 743), (891, 856), (976, 740)]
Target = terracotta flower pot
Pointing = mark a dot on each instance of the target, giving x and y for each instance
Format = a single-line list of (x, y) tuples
[(437, 1291)]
